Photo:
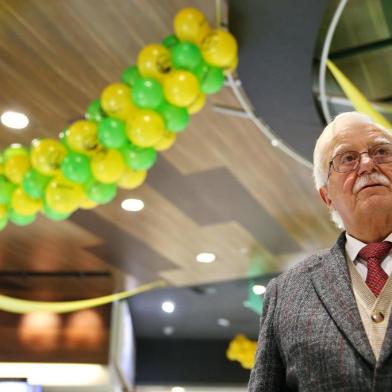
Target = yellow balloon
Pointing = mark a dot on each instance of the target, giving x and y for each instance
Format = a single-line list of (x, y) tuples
[(181, 88), (116, 100), (191, 25), (145, 128), (247, 364), (154, 61), (231, 67), (82, 137), (219, 48), (16, 166), (166, 142), (107, 165), (231, 355), (47, 155), (131, 179), (197, 104), (63, 195), (24, 204), (3, 211), (87, 204)]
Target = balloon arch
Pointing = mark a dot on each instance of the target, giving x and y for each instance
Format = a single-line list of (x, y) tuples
[(117, 142)]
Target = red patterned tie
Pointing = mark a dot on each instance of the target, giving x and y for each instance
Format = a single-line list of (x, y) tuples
[(374, 254)]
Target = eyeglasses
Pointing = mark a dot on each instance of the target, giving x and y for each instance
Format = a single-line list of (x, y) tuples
[(348, 161)]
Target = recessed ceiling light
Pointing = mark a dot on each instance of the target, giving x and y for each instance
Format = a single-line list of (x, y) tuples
[(244, 251), (168, 306), (258, 289), (178, 389), (205, 257), (210, 290), (223, 322), (14, 120), (168, 330), (132, 205), (275, 142)]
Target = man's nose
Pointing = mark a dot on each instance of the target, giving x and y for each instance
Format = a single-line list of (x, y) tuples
[(366, 163)]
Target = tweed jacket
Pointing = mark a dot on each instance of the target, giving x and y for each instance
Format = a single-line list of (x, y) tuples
[(311, 334)]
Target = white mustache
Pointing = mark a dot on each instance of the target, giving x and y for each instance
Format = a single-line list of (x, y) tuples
[(370, 179)]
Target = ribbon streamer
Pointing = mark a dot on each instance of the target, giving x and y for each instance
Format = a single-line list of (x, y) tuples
[(360, 102), (16, 305)]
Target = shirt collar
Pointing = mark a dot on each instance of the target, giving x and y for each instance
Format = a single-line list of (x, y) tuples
[(353, 246)]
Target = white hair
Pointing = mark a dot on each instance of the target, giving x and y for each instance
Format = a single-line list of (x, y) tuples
[(322, 155)]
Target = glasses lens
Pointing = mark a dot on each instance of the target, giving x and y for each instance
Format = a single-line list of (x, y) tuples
[(346, 161), (382, 153)]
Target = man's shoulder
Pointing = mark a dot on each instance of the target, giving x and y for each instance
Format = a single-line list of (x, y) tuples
[(303, 269)]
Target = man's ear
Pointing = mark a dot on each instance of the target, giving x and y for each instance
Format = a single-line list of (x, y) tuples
[(324, 195)]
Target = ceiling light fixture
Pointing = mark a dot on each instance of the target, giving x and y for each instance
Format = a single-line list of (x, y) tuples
[(168, 330), (223, 322), (244, 251), (14, 120), (210, 290), (168, 306), (178, 389), (132, 205), (258, 289), (205, 257)]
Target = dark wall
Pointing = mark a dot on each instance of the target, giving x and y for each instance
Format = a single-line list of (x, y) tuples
[(277, 39), (177, 361)]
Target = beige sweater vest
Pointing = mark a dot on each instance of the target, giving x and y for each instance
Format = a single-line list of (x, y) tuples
[(374, 311)]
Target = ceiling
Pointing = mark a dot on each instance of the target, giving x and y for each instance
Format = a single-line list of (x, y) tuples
[(221, 188), (198, 311)]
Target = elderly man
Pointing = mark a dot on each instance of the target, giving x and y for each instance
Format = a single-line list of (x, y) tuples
[(326, 323)]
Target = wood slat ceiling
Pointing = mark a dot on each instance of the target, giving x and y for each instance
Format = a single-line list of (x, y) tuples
[(55, 57)]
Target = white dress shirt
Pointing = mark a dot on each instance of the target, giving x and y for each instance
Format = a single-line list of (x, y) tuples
[(353, 246)]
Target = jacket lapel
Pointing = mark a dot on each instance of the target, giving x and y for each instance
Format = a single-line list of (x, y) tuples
[(332, 283), (386, 349)]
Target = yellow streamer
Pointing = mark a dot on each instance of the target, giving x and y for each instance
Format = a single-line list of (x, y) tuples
[(15, 305), (360, 102)]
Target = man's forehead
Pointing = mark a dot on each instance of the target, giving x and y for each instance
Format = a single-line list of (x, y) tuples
[(349, 137)]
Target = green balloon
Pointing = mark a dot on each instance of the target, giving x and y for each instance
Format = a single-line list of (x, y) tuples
[(170, 41), (3, 223), (176, 119), (94, 111), (138, 158), (76, 167), (34, 184), (130, 75), (101, 193), (147, 93), (54, 215), (6, 190), (185, 55), (14, 149), (211, 78), (111, 132), (21, 220)]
